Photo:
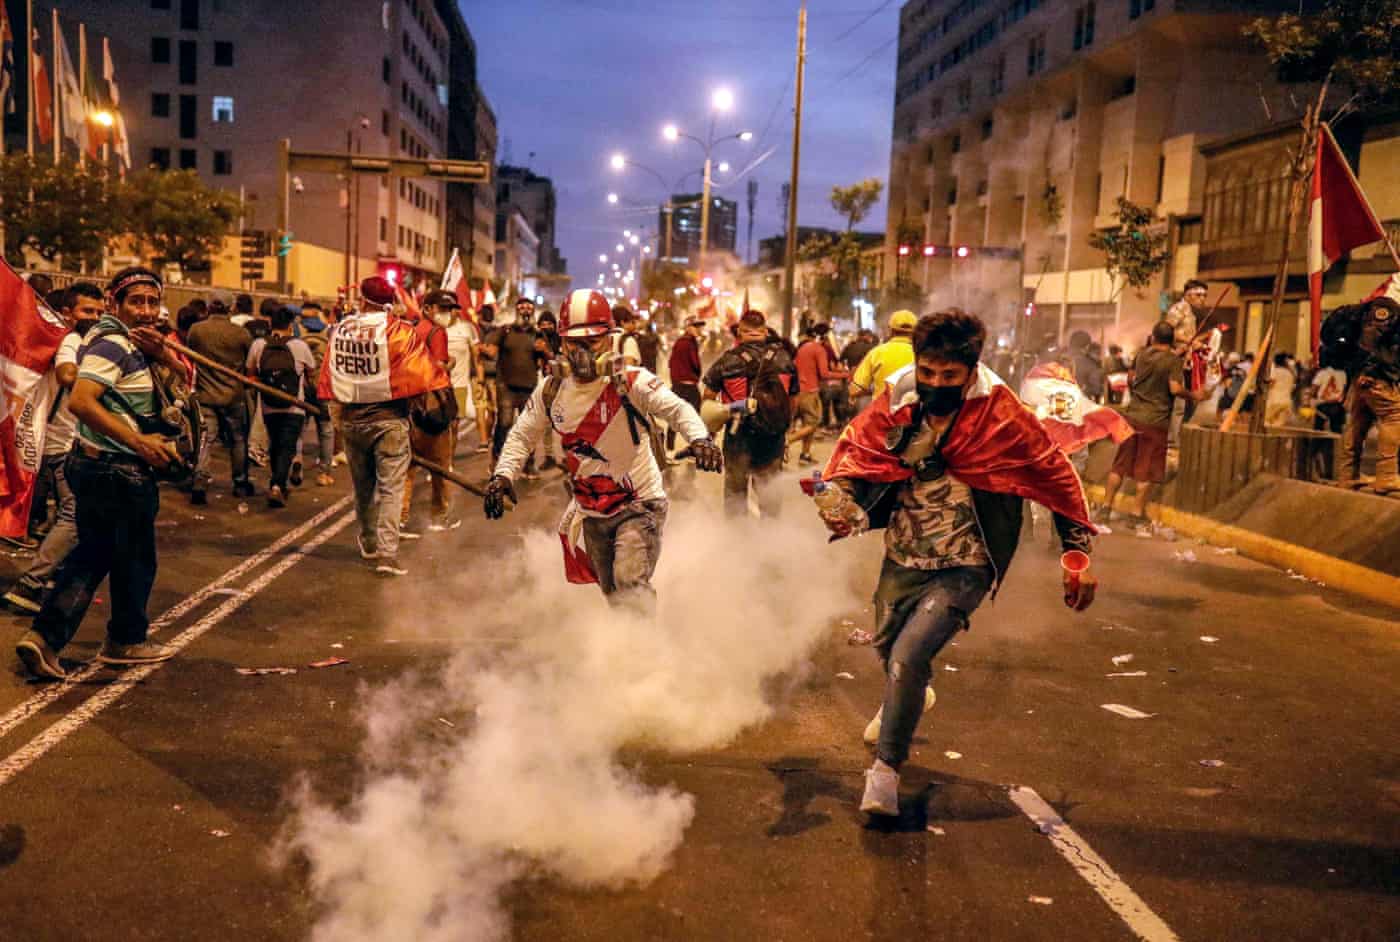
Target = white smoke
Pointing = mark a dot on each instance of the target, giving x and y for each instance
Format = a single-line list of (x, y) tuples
[(531, 784)]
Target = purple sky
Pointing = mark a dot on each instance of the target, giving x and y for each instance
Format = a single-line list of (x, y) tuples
[(573, 81)]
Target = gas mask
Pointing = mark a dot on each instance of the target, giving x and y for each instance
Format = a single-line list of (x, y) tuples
[(940, 400), (585, 364)]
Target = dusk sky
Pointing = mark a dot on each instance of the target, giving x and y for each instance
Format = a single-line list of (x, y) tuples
[(573, 81)]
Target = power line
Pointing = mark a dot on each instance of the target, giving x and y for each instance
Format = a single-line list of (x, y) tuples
[(865, 19), (867, 60)]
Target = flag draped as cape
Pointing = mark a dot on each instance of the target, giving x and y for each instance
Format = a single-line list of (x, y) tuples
[(374, 357)]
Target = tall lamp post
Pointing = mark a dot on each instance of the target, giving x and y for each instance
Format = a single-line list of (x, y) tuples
[(721, 102)]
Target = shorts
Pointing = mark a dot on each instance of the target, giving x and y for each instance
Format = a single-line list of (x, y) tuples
[(809, 409), (1143, 457)]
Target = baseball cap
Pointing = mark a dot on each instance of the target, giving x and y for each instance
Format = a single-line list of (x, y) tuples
[(903, 320), (222, 297), (376, 290), (442, 298)]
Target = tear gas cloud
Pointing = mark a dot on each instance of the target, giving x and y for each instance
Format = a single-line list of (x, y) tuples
[(532, 786)]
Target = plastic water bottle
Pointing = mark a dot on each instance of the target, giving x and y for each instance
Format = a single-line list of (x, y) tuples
[(834, 502)]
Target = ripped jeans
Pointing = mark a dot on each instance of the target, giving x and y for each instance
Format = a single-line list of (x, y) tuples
[(917, 612), (624, 549)]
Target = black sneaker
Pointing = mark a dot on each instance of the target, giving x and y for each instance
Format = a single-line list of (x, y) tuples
[(276, 497), (295, 478), (806, 459), (389, 566), (25, 598), (242, 488), (38, 658), (146, 652), (199, 498)]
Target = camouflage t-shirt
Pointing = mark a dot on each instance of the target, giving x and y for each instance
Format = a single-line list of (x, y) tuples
[(934, 526)]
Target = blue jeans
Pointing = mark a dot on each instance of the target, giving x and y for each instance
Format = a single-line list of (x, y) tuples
[(117, 503), (624, 549), (378, 452), (60, 540), (917, 612)]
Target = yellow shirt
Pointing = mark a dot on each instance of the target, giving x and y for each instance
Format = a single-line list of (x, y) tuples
[(882, 362)]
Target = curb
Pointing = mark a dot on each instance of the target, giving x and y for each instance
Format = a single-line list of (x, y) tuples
[(1330, 571)]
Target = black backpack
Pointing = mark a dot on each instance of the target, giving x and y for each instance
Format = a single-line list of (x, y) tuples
[(649, 345), (769, 389), (1341, 338), (278, 368)]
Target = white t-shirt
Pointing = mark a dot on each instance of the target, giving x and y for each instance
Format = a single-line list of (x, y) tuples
[(63, 426), (1329, 385), (461, 346)]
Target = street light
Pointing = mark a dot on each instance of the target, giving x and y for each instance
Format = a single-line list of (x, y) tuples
[(603, 259), (612, 198), (621, 248), (618, 161), (634, 240), (724, 166), (627, 233), (670, 132), (722, 99)]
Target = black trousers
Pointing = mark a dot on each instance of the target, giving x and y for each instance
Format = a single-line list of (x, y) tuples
[(690, 392), (117, 502), (283, 433)]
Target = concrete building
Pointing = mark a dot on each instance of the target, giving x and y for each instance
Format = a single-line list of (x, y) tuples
[(470, 223), (685, 226), (517, 248), (1019, 123), (212, 86), (533, 195)]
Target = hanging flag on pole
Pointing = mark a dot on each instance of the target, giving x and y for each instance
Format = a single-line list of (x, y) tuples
[(1341, 220), (7, 64), (43, 101), (73, 113), (452, 274)]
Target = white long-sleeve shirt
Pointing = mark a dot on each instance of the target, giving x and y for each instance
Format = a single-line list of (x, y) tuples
[(608, 470)]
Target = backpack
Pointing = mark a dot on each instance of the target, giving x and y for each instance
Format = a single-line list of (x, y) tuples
[(433, 412), (649, 345), (277, 367), (772, 415), (1341, 337)]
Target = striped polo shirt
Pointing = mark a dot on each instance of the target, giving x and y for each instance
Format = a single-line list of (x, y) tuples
[(114, 362)]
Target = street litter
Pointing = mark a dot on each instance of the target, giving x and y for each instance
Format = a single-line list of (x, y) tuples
[(330, 662), (1212, 763), (1185, 556), (177, 808), (1126, 711), (1143, 533), (953, 755), (1120, 659), (1040, 900), (243, 508), (846, 675), (446, 722), (860, 636), (263, 671), (1127, 674), (1209, 639), (1226, 551), (218, 832), (337, 644), (199, 516), (950, 668), (166, 523), (934, 829), (1167, 533), (1117, 628), (847, 623)]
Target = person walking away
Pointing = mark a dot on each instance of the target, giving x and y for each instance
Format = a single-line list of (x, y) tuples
[(884, 361), (437, 448), (112, 470), (287, 364), (602, 410), (754, 382), (313, 332), (374, 365), (685, 369), (517, 372), (485, 390), (1155, 382), (84, 308), (813, 368), (223, 402), (939, 461)]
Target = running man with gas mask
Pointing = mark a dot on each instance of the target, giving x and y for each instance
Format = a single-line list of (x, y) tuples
[(942, 460), (602, 410)]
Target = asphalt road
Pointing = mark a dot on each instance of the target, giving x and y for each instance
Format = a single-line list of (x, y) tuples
[(1259, 799)]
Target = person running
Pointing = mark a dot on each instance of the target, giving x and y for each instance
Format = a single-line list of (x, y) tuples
[(814, 368), (685, 369), (431, 328), (884, 361), (602, 410), (112, 470), (942, 461), (375, 364), (285, 363)]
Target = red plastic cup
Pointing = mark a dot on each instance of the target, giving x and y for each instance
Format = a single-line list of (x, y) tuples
[(1075, 563)]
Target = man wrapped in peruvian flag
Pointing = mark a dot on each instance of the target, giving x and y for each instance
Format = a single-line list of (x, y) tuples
[(942, 460)]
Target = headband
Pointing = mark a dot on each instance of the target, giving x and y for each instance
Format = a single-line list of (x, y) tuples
[(122, 282)]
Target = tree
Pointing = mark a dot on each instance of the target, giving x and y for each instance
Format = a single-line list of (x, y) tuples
[(177, 217), (661, 279), (56, 210), (855, 201), (836, 269), (1135, 251)]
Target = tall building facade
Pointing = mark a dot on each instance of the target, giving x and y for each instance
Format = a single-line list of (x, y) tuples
[(685, 212), (533, 195), (213, 85), (471, 135), (1019, 124)]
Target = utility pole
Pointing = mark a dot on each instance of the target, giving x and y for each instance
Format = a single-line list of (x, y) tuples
[(748, 243), (350, 181), (705, 203), (284, 205), (790, 262)]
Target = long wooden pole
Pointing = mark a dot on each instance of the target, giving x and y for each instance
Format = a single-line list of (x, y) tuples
[(790, 251)]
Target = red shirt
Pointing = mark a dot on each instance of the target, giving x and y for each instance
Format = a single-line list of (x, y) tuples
[(685, 360), (814, 365), (433, 337)]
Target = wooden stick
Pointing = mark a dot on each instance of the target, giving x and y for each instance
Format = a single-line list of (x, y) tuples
[(1229, 421), (230, 372), (452, 476)]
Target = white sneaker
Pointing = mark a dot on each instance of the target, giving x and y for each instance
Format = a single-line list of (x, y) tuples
[(872, 729), (389, 566), (881, 791), (365, 553), (437, 526), (339, 458)]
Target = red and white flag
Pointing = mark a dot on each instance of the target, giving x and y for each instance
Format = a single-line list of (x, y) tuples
[(1341, 220), (375, 357), (29, 337), (1072, 418), (43, 98)]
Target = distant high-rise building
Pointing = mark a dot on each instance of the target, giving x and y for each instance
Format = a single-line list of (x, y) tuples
[(471, 135), (534, 196), (685, 227)]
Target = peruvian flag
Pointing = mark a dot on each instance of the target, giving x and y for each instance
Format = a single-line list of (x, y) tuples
[(374, 357), (454, 279), (29, 337), (1072, 418), (996, 444), (43, 98), (1341, 220)]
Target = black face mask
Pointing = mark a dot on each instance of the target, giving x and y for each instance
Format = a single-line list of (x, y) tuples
[(940, 400)]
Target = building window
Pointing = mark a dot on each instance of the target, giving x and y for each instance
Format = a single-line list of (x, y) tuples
[(189, 14), (965, 96), (955, 144), (1035, 54), (953, 196), (189, 159), (223, 163), (998, 83), (160, 50), (1084, 26), (383, 227), (385, 71), (384, 123), (223, 53), (160, 105), (1137, 8), (223, 109), (987, 125), (160, 4), (189, 119), (160, 158), (189, 62)]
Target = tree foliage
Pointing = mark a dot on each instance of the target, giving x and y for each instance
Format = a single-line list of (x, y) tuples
[(1136, 249), (1351, 43), (835, 266), (177, 217), (854, 202), (57, 209)]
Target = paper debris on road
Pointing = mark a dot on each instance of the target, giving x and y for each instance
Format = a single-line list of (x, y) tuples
[(846, 675), (1126, 711), (337, 644), (1040, 900), (1209, 639), (219, 832), (1120, 659), (950, 668), (1212, 763), (263, 671), (1127, 674), (860, 636), (1185, 556), (953, 755), (934, 829), (330, 662), (446, 722), (1107, 627), (1227, 551), (242, 508)]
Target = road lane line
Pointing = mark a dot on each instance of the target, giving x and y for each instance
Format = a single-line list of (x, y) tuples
[(51, 692), (1146, 924)]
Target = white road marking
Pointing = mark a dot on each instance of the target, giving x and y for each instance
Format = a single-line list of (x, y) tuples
[(21, 758), (1144, 923), (51, 692)]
